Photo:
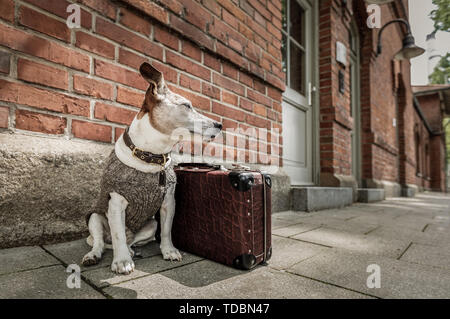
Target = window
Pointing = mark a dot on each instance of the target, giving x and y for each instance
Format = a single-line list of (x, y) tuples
[(293, 45)]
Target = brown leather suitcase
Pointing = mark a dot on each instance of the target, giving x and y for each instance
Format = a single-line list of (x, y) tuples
[(224, 216)]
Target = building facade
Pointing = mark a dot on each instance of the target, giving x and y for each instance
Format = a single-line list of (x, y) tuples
[(297, 85)]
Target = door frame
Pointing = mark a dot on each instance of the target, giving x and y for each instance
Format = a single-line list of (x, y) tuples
[(314, 95), (356, 111)]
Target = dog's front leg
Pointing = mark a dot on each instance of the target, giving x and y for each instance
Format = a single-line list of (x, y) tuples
[(122, 262), (167, 212)]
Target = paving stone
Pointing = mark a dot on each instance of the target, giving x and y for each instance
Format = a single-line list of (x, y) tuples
[(287, 252), (262, 282), (437, 228), (293, 229), (23, 258), (280, 223), (406, 234), (103, 277), (43, 283), (290, 215), (428, 255), (398, 279), (73, 252), (352, 241)]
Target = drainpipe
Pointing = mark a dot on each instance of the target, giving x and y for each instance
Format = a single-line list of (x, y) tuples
[(446, 155)]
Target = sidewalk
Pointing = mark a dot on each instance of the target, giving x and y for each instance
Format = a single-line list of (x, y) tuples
[(315, 255)]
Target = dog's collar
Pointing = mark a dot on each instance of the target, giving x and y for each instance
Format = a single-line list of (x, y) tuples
[(148, 157)]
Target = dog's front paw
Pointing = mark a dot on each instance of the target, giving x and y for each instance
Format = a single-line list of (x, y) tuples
[(171, 253), (123, 265), (91, 258)]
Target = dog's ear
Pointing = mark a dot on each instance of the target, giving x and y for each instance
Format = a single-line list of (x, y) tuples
[(153, 77)]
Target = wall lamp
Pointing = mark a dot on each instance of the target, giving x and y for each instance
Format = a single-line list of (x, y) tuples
[(409, 50)]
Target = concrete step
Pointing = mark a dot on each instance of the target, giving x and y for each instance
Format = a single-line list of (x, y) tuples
[(370, 195), (318, 198)]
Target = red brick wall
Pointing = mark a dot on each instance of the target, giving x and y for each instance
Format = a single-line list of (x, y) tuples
[(84, 84)]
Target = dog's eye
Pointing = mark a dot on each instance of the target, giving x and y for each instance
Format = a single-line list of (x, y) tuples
[(187, 105)]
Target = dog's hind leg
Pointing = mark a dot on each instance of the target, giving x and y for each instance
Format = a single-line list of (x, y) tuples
[(122, 262), (96, 229), (146, 234)]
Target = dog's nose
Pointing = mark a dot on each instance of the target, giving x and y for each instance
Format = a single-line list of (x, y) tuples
[(218, 125)]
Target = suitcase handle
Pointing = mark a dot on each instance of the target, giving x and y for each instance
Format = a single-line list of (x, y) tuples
[(200, 165)]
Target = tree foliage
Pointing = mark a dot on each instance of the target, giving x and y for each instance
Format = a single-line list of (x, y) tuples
[(441, 15), (441, 73)]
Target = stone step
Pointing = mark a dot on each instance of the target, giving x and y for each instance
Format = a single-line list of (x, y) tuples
[(370, 195), (318, 198)]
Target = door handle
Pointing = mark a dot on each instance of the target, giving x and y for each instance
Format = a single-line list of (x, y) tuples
[(311, 89)]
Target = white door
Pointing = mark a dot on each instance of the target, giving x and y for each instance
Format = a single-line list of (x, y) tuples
[(297, 102)]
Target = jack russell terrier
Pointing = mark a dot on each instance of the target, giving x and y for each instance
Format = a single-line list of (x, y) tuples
[(139, 179)]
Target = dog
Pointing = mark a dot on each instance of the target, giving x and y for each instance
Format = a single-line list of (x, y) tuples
[(141, 164)]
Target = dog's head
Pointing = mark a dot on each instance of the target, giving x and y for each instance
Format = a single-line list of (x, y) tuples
[(169, 111)]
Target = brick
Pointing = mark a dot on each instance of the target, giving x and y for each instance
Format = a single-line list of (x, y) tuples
[(169, 73), (173, 5), (191, 51), (228, 112), (274, 93), (257, 121), (5, 59), (37, 122), (95, 45), (51, 51), (42, 99), (91, 131), (258, 97), (190, 83), (213, 6), (245, 79), (134, 22), (4, 117), (91, 87), (212, 62), (105, 7), (260, 110), (113, 114), (7, 10), (152, 9), (117, 74), (231, 55), (229, 98), (42, 74), (261, 9), (188, 66), (211, 90), (118, 131), (165, 37), (230, 19), (193, 33), (59, 7), (130, 97), (196, 14), (246, 104), (129, 39), (197, 101), (131, 59), (233, 9), (230, 71), (229, 124), (228, 84), (42, 23)]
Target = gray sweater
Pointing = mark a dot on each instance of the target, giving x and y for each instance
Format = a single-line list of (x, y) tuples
[(141, 190)]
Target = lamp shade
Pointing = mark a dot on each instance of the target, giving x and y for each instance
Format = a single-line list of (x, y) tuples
[(378, 1), (409, 50)]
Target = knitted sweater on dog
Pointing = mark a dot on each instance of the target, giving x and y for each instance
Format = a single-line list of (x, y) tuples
[(141, 190)]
